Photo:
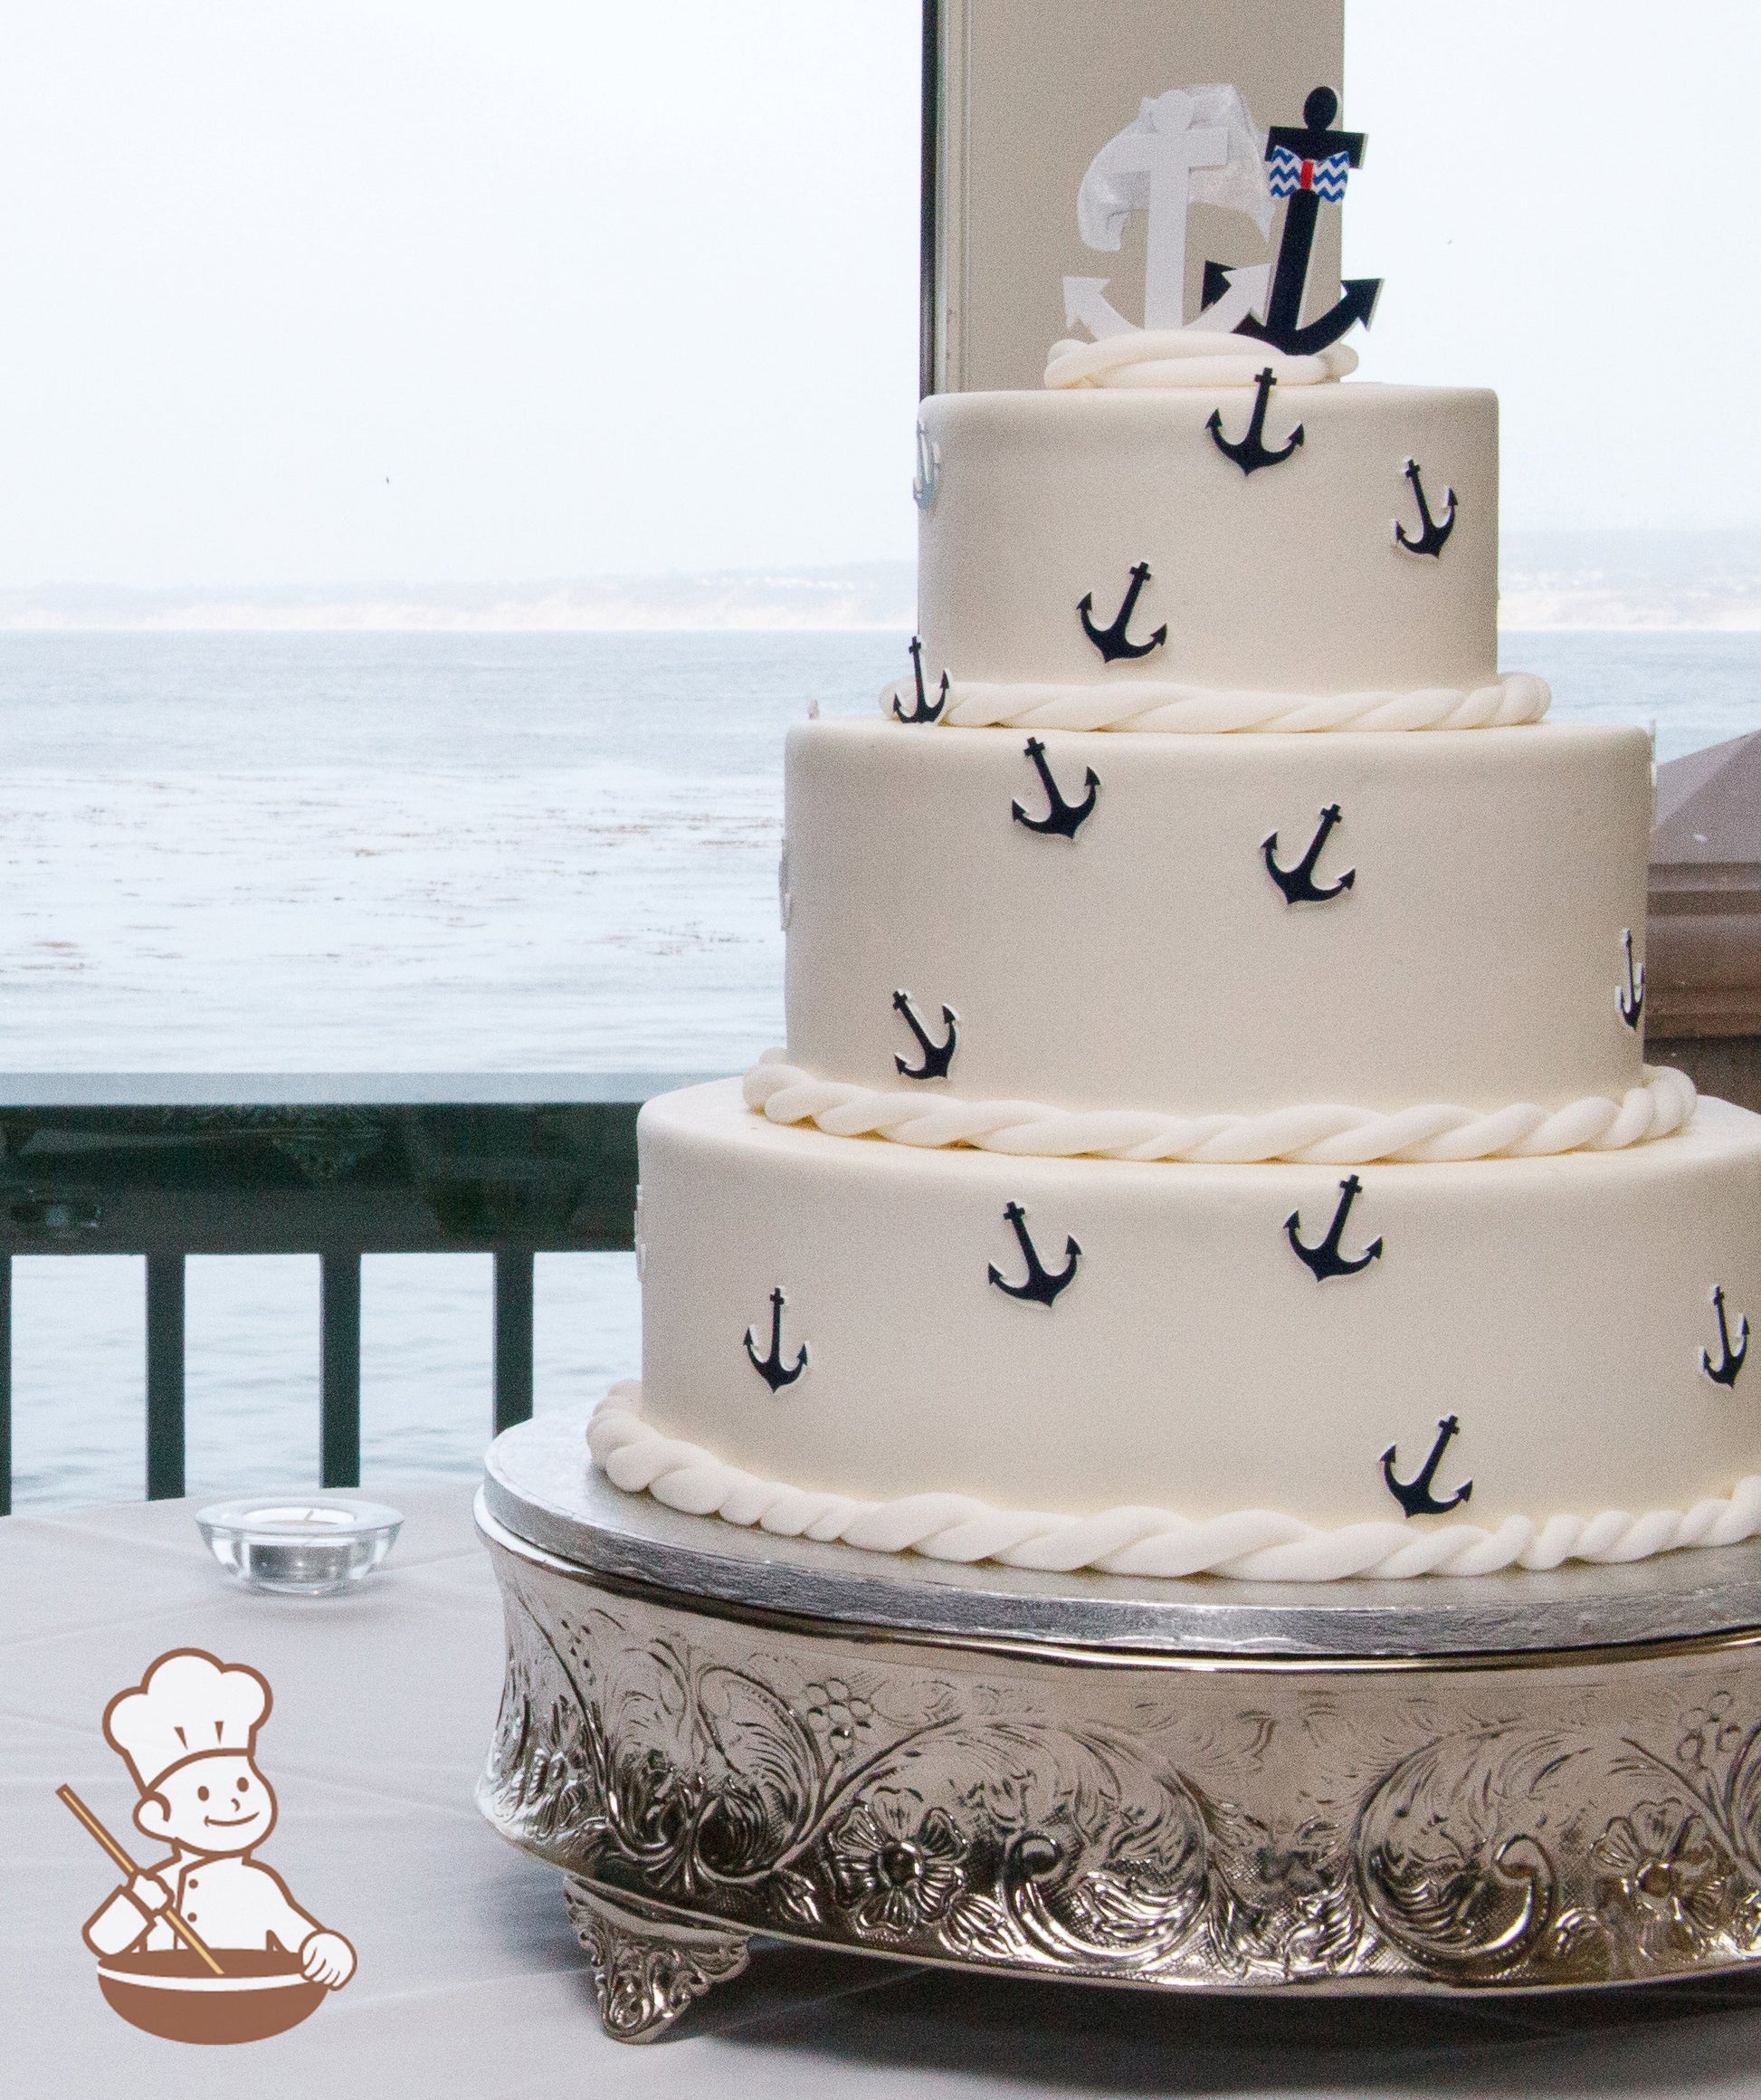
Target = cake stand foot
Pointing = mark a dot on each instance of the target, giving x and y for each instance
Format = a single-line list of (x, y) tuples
[(647, 1967)]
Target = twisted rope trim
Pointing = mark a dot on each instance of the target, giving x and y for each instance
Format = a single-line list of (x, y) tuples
[(1167, 710), (1188, 356), (1250, 1546), (1311, 1136)]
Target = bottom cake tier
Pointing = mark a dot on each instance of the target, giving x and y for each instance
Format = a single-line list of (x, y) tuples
[(1278, 1371)]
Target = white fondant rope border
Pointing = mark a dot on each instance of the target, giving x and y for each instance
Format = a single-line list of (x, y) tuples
[(1310, 1136), (1188, 356), (1252, 1545), (1147, 706)]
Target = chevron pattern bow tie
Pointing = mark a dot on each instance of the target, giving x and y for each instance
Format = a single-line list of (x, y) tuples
[(1291, 173)]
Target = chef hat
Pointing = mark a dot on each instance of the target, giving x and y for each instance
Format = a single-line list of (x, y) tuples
[(188, 1704)]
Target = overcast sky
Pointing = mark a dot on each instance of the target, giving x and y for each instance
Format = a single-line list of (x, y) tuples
[(346, 290)]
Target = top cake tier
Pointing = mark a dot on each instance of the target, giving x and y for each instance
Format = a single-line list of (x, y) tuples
[(1286, 579)]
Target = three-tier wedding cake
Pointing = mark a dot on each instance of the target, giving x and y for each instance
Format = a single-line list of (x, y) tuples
[(1214, 1133)]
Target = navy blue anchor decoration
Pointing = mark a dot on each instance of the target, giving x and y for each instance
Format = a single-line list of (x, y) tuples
[(922, 711), (1112, 642), (1415, 1496), (774, 1371), (936, 1056), (1731, 1361), (1326, 1260), (1252, 452), (1632, 992), (1066, 818), (1041, 1287), (1299, 884), (1310, 162), (1433, 532)]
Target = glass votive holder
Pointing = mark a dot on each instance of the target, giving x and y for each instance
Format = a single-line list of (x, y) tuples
[(299, 1547)]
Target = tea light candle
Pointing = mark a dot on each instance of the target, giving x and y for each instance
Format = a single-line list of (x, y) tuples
[(300, 1549)]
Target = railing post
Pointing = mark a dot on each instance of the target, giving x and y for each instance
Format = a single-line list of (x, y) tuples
[(513, 1336), (340, 1380), (5, 1385), (165, 1376)]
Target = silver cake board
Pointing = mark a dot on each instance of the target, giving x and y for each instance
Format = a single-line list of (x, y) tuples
[(1519, 1781)]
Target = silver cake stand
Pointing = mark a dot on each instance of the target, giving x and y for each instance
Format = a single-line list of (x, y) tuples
[(1521, 1783)]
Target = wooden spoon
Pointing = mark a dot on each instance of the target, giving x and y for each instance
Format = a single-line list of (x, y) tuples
[(184, 1930)]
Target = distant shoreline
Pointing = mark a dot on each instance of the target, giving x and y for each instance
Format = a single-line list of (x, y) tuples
[(862, 597), (1583, 582)]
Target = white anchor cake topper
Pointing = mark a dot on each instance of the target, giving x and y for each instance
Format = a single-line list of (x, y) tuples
[(1200, 146), (1189, 145)]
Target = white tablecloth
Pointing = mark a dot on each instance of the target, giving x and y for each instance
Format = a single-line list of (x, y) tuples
[(471, 1985)]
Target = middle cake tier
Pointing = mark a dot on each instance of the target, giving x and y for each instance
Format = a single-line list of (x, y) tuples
[(1217, 925)]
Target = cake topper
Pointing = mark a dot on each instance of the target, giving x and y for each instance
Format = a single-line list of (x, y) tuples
[(1297, 883), (1632, 995), (772, 1369), (1189, 145), (1041, 1287), (1435, 532), (1231, 294), (1731, 1361), (1200, 146), (1251, 452), (1326, 1260), (1066, 817), (1111, 641), (922, 711), (1415, 1496), (936, 1056), (1309, 164)]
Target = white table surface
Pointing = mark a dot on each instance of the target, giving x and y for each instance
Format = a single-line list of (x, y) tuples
[(471, 1985)]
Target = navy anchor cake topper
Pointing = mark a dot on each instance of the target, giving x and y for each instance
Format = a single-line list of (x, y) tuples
[(1309, 164)]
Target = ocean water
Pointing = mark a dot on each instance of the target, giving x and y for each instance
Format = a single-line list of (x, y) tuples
[(403, 852)]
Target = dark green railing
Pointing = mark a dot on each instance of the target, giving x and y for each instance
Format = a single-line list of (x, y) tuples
[(168, 1165)]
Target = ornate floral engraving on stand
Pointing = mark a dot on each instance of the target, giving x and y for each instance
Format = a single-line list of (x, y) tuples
[(1532, 1827)]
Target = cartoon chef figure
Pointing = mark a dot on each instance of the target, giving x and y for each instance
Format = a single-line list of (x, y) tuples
[(188, 1731)]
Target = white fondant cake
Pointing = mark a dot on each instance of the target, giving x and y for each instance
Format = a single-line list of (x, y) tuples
[(1214, 1133)]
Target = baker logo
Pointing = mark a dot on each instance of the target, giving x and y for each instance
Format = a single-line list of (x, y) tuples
[(204, 1945)]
